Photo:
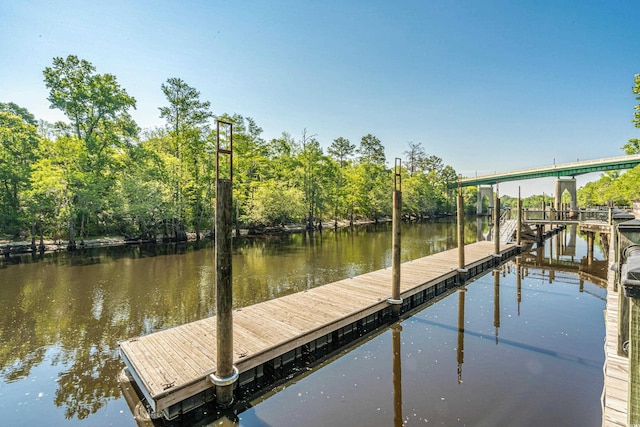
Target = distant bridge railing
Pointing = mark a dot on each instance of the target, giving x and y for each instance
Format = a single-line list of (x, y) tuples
[(564, 169), (581, 215)]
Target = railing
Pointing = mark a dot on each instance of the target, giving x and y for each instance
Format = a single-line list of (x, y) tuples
[(579, 215)]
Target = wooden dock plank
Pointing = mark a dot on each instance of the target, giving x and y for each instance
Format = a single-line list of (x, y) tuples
[(182, 357), (616, 378)]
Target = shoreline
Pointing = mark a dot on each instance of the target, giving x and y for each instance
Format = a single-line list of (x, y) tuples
[(10, 248)]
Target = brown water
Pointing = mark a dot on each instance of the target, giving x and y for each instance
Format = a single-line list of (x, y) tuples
[(62, 316)]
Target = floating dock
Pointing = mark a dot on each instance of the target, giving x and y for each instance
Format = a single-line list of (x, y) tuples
[(171, 368), (616, 366)]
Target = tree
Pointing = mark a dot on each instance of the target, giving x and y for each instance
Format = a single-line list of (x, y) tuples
[(415, 155), (371, 151), (97, 108), (341, 149), (187, 118), (18, 145), (23, 113), (633, 146)]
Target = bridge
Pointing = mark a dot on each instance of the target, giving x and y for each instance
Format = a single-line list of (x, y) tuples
[(565, 174), (566, 169)]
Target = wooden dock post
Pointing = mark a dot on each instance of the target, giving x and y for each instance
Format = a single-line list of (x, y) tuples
[(462, 271), (226, 374), (396, 328), (395, 299)]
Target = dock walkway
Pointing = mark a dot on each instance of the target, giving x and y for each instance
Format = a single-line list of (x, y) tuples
[(616, 369), (173, 365)]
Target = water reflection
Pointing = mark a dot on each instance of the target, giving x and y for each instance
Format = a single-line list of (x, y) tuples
[(543, 368), (460, 347), (496, 301), (63, 313), (397, 375)]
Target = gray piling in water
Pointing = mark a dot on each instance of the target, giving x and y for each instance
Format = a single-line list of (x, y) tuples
[(395, 299), (226, 374), (396, 251)]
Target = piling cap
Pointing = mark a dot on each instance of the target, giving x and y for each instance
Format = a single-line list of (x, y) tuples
[(630, 276), (629, 226), (633, 268), (619, 215)]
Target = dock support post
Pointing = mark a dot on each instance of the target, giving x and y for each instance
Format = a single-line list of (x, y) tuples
[(396, 328), (462, 271), (395, 299), (226, 374), (496, 229)]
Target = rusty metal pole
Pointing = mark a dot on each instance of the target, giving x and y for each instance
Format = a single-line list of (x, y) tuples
[(226, 373), (462, 271), (395, 299)]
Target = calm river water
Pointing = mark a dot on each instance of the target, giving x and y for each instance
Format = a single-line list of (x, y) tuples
[(523, 346)]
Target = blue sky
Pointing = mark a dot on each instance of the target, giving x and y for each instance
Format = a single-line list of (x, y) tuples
[(485, 85)]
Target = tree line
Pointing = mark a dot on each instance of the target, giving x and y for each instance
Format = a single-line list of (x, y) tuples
[(99, 174)]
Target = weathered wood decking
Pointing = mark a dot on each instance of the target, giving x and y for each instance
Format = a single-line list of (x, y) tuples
[(172, 365), (616, 369)]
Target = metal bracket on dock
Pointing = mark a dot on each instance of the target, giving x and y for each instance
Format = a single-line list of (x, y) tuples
[(394, 301), (221, 382), (462, 270), (496, 255)]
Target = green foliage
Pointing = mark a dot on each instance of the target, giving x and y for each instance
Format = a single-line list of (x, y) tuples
[(18, 144), (633, 145), (96, 175)]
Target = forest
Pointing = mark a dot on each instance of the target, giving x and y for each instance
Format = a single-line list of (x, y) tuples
[(100, 174)]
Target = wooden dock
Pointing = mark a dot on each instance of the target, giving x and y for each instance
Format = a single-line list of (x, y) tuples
[(172, 367), (616, 368)]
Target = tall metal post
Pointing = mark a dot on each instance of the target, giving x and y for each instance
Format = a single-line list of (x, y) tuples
[(395, 299), (226, 374), (462, 271)]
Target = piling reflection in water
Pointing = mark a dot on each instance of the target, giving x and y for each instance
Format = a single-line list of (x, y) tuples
[(65, 315), (496, 301), (460, 347), (397, 375)]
